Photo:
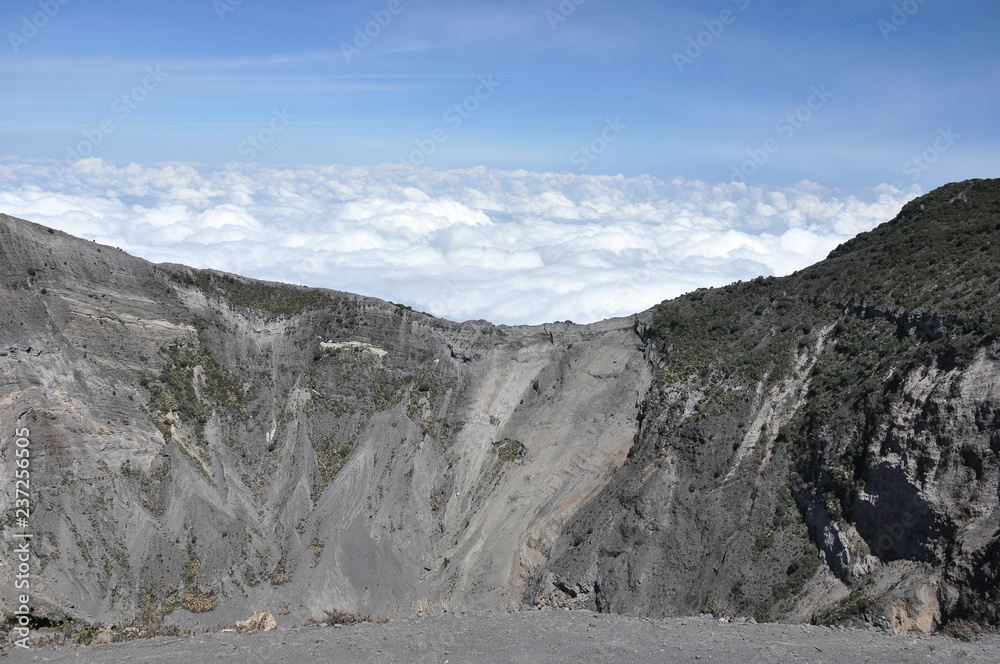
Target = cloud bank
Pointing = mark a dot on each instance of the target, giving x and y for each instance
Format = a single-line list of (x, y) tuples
[(508, 246)]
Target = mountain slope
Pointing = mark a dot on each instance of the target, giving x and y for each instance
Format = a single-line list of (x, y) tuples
[(205, 445), (821, 447)]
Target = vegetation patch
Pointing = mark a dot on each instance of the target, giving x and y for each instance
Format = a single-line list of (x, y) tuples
[(509, 450), (192, 386), (273, 299), (849, 609), (338, 617), (353, 380), (60, 629), (798, 574), (331, 457), (191, 597), (280, 576)]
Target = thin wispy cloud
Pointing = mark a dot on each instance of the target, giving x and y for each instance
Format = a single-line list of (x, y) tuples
[(565, 67)]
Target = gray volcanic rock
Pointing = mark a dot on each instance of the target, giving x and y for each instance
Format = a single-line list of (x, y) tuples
[(197, 457), (821, 447)]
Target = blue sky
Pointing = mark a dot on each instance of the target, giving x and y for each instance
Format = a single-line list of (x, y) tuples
[(487, 126), (562, 71)]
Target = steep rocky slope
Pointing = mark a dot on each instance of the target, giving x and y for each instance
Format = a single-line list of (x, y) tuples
[(823, 446), (817, 447), (205, 445)]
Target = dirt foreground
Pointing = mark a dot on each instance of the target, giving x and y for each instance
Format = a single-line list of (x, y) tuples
[(555, 636)]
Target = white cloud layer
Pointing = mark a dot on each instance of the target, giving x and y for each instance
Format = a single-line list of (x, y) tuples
[(508, 246)]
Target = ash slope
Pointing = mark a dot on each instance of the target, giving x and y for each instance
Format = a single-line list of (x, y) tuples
[(206, 445), (819, 447)]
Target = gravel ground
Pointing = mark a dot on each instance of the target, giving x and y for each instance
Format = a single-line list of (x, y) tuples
[(554, 636)]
